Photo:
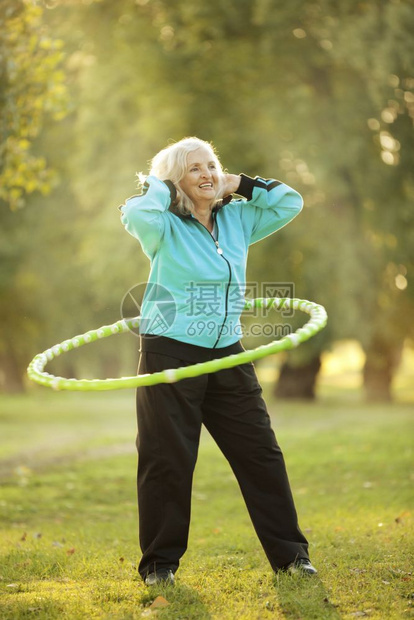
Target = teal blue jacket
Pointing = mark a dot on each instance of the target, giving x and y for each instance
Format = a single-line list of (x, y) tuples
[(196, 286)]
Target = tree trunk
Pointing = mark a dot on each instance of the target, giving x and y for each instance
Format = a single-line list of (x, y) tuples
[(382, 360), (298, 381), (11, 377)]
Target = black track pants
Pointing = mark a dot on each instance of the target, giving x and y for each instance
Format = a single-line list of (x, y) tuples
[(230, 405)]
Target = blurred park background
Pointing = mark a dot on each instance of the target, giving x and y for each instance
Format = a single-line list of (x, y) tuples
[(316, 93)]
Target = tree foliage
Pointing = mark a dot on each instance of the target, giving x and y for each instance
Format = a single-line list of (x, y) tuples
[(32, 84)]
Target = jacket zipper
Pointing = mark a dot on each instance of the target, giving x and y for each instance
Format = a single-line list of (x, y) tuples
[(220, 252)]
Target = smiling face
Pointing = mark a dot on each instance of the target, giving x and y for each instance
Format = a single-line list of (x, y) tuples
[(201, 180)]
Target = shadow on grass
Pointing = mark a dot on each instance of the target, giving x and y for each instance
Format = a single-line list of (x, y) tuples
[(184, 602), (38, 609), (305, 597)]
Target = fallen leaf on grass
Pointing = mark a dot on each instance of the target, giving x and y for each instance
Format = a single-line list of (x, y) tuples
[(159, 603), (398, 571), (70, 551), (400, 518), (23, 564), (122, 560)]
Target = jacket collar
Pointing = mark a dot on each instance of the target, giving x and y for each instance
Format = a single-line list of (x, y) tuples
[(217, 207)]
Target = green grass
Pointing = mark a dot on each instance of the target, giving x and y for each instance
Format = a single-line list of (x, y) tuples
[(68, 541)]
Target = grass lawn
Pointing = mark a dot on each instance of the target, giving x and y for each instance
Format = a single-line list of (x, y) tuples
[(68, 538)]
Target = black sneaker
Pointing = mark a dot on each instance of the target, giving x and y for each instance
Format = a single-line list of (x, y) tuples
[(163, 576), (301, 566)]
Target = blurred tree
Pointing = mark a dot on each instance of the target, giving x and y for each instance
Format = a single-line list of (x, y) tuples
[(387, 198), (367, 100), (117, 124), (31, 87), (348, 146)]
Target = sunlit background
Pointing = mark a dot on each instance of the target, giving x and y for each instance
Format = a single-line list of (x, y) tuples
[(315, 93)]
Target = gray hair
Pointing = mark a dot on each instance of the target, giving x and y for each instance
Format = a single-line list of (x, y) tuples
[(171, 164)]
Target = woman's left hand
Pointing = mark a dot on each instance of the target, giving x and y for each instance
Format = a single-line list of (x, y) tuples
[(231, 183)]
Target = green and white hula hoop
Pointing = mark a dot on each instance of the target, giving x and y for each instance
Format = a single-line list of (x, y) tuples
[(36, 367)]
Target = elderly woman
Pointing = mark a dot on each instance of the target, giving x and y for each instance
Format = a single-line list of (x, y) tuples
[(196, 237)]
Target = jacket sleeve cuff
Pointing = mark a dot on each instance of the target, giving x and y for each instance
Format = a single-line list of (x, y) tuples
[(173, 191), (246, 186), (145, 188)]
